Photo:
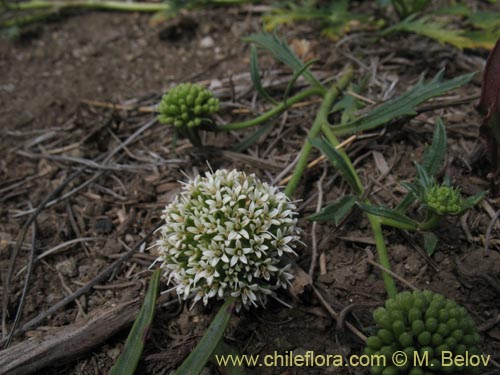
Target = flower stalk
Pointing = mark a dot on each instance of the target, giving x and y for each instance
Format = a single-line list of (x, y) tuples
[(280, 108), (321, 119), (321, 125)]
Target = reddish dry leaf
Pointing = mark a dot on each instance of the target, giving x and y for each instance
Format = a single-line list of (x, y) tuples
[(489, 106), (490, 98)]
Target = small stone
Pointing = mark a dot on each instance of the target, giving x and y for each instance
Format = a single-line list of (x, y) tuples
[(207, 42)]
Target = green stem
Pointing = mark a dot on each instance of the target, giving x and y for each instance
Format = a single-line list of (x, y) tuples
[(93, 4), (432, 222), (272, 112), (321, 124), (375, 221), (107, 5), (321, 118), (383, 256)]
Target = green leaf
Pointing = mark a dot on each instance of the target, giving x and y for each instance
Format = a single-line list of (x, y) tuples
[(435, 29), (197, 359), (282, 52), (423, 177), (430, 242), (224, 350), (333, 17), (473, 200), (255, 75), (335, 211), (338, 162), (252, 138), (295, 77), (129, 358), (404, 105), (489, 21), (349, 104), (393, 218), (407, 201), (435, 153)]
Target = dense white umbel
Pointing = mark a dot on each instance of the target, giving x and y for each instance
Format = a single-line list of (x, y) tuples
[(226, 234)]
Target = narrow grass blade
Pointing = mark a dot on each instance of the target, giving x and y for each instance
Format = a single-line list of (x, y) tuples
[(435, 153), (255, 75), (128, 360), (194, 363), (335, 211)]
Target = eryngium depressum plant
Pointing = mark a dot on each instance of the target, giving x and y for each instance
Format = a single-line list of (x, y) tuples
[(424, 324), (188, 106), (225, 235)]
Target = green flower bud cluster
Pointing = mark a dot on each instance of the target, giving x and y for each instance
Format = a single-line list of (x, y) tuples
[(444, 200), (225, 235), (187, 105), (423, 325)]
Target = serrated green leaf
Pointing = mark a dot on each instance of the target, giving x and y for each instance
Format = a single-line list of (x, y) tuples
[(337, 160), (404, 105), (335, 211), (334, 17), (485, 20), (197, 359), (413, 188), (434, 154), (349, 104), (423, 177), (129, 358), (473, 200), (434, 29), (255, 75), (393, 218), (430, 242), (282, 52)]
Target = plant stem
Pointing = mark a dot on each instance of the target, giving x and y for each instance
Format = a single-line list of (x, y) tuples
[(108, 5), (321, 124), (375, 221), (432, 222), (93, 4), (272, 112), (321, 118), (383, 257)]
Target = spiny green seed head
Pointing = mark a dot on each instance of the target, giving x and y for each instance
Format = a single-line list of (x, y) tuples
[(225, 235), (426, 323), (444, 200), (188, 105)]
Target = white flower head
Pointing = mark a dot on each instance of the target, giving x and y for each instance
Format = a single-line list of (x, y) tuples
[(225, 235)]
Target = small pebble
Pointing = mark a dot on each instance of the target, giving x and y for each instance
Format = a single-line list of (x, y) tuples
[(207, 42)]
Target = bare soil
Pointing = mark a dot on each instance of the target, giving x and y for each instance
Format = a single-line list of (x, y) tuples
[(51, 73)]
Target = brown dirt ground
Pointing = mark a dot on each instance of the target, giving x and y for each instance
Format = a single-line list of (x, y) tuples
[(120, 58)]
